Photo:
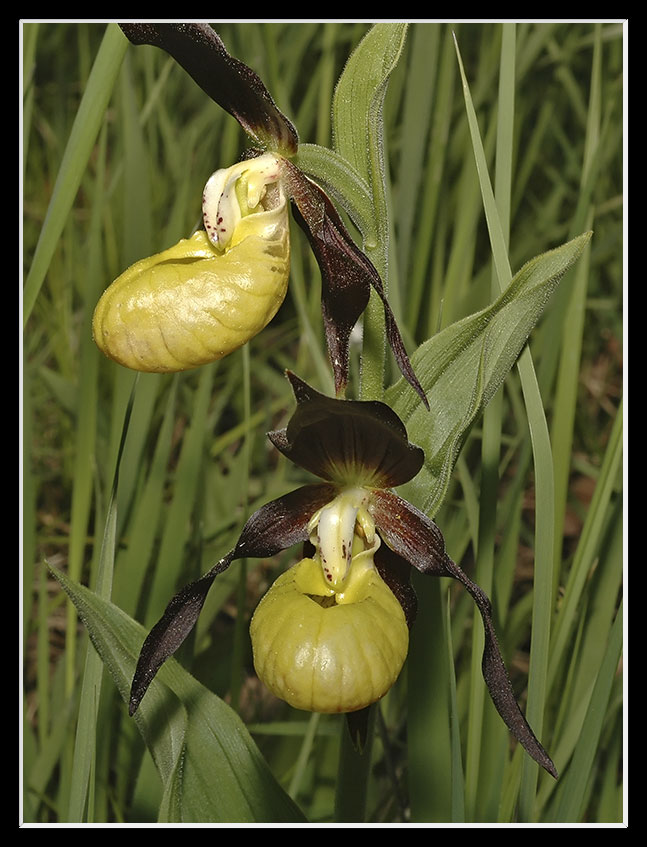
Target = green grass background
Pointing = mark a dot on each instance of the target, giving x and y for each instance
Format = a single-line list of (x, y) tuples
[(125, 180)]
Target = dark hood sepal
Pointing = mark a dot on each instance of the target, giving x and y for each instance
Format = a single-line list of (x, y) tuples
[(356, 442), (198, 48)]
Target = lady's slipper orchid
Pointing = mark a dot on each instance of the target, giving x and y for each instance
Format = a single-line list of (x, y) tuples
[(136, 321), (209, 294), (331, 633)]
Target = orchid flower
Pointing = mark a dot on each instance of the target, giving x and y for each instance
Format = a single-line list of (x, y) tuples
[(208, 295), (331, 634)]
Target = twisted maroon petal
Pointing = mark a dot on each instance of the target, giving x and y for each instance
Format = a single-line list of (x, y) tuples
[(412, 535), (274, 527), (347, 276)]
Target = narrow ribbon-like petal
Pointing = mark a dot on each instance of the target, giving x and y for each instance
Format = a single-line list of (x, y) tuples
[(170, 631), (274, 527), (228, 81), (282, 522), (415, 537), (347, 275)]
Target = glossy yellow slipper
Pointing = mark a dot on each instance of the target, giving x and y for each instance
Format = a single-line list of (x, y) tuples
[(324, 650), (209, 294)]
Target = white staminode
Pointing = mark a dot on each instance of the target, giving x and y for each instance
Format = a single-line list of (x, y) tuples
[(333, 530), (221, 203)]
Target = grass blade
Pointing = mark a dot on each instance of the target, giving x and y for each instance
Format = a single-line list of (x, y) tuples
[(491, 443), (77, 152), (544, 480), (575, 781)]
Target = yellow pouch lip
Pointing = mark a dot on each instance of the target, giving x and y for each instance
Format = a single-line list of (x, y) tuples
[(136, 313), (323, 657), (197, 301), (197, 246)]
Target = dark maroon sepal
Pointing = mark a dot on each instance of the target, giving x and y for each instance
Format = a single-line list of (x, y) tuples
[(347, 276), (412, 535), (274, 527), (348, 442), (228, 81)]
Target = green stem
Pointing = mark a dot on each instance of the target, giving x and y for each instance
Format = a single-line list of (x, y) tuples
[(377, 249), (364, 84), (373, 351)]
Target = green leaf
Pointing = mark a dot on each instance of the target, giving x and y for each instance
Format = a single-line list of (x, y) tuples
[(358, 131), (359, 97), (340, 180), (210, 767), (461, 368), (573, 789), (91, 113)]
